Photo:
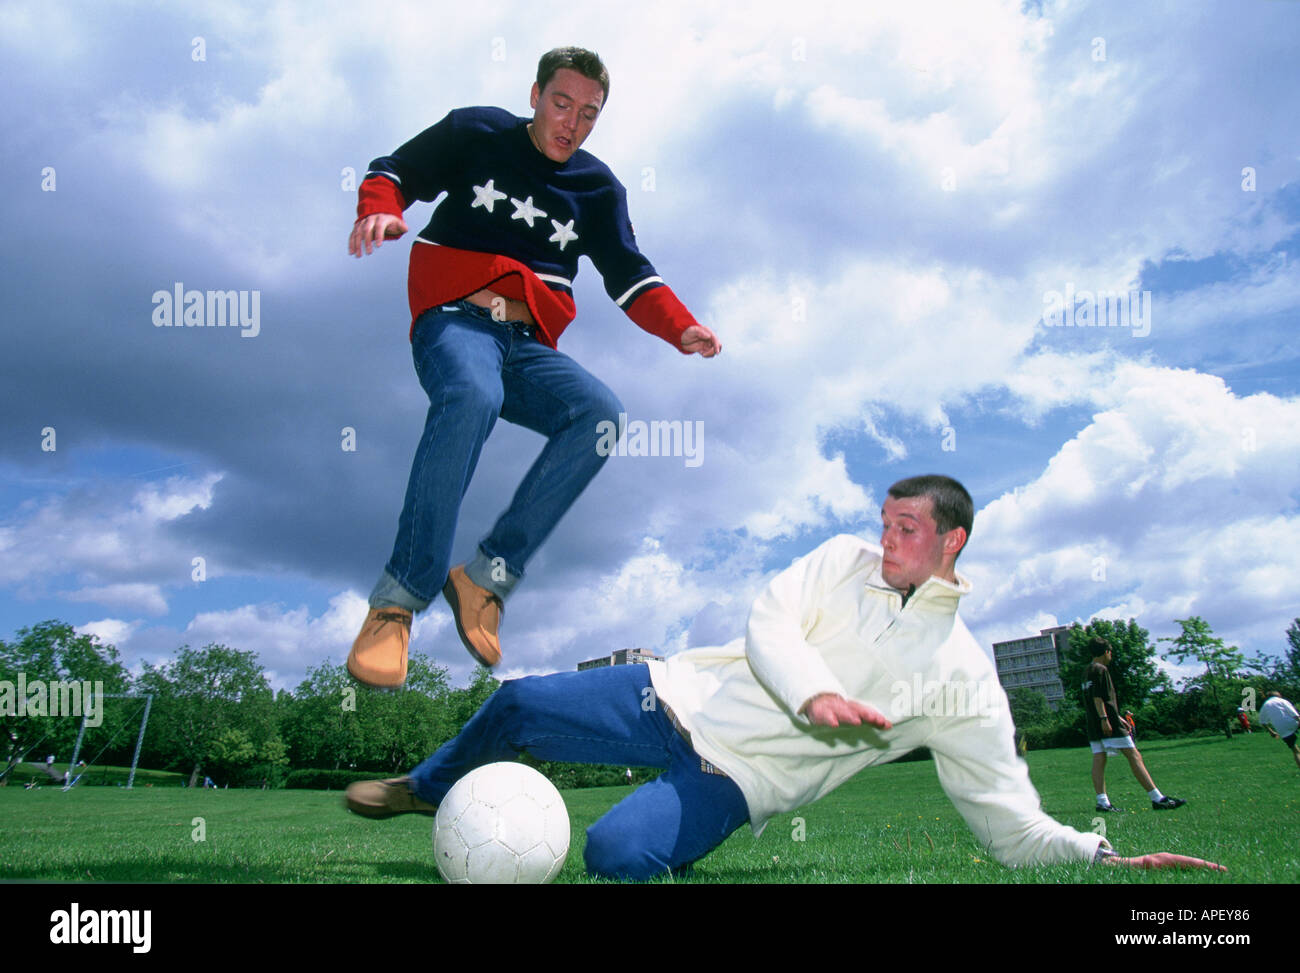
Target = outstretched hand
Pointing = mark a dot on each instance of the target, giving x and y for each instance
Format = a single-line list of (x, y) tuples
[(830, 709), (1165, 859), (371, 231), (699, 340)]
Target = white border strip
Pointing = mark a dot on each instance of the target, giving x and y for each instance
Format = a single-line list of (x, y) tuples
[(620, 301)]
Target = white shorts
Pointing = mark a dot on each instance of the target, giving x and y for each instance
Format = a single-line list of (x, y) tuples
[(1112, 743)]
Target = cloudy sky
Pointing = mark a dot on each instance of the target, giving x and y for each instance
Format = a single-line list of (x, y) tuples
[(899, 218)]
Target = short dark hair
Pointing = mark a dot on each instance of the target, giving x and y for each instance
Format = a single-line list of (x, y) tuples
[(1098, 646), (586, 63), (950, 504)]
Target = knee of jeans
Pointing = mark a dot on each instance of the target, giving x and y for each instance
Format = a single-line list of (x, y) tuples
[(507, 700), (514, 699), (602, 406), (611, 852)]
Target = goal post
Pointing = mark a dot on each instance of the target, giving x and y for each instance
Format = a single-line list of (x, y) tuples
[(139, 739)]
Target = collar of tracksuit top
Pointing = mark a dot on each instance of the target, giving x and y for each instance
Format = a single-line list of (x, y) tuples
[(516, 222), (935, 594)]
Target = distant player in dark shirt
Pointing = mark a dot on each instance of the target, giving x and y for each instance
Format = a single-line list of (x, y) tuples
[(1108, 731)]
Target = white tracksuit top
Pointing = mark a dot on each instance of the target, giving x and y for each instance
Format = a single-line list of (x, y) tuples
[(829, 623)]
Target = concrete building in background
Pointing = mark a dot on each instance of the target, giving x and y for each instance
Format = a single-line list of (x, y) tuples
[(1034, 663), (621, 657)]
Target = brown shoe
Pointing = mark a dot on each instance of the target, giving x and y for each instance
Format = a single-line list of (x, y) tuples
[(378, 656), (384, 798), (478, 616)]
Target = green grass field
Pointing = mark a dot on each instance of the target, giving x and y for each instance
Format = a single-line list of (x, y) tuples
[(890, 824)]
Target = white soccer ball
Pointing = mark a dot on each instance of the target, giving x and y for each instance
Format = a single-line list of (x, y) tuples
[(503, 823)]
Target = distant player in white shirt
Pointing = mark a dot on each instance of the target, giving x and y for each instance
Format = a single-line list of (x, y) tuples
[(1281, 720)]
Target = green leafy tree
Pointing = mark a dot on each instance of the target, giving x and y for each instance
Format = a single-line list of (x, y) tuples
[(237, 761), (1132, 668), (231, 753), (319, 722), (1221, 684), (466, 702), (401, 728), (1029, 708), (53, 651), (1287, 669), (200, 696), (336, 723), (273, 763)]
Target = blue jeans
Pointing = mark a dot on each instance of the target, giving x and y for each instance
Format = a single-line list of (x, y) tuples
[(608, 716), (475, 369)]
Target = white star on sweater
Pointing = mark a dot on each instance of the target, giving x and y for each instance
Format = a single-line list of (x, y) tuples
[(526, 211), (563, 233), (486, 196)]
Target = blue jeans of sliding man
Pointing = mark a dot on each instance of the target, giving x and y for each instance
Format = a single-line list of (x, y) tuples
[(604, 716)]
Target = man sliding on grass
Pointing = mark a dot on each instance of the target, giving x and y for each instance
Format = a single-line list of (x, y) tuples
[(853, 656)]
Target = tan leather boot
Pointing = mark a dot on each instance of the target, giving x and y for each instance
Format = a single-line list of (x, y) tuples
[(378, 656), (385, 798), (478, 616)]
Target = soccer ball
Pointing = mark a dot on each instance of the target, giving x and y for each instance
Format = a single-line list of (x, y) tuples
[(503, 823)]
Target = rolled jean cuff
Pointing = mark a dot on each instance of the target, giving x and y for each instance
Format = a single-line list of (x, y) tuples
[(389, 593), (491, 573)]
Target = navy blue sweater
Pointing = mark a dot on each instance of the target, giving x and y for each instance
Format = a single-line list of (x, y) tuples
[(516, 221)]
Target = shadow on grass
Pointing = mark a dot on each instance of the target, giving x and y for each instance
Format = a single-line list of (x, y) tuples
[(355, 871)]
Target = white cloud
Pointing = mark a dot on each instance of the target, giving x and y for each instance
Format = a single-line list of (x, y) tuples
[(1168, 503), (175, 498), (111, 631), (285, 640), (53, 30), (114, 537), (147, 598)]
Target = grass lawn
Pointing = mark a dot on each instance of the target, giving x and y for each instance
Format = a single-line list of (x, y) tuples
[(890, 824)]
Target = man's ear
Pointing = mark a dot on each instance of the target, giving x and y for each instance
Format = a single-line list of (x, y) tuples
[(534, 96), (954, 541)]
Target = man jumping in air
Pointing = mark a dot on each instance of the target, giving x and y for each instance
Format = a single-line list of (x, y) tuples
[(491, 290)]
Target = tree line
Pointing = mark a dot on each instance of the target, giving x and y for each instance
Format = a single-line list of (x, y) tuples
[(1206, 702), (214, 714)]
